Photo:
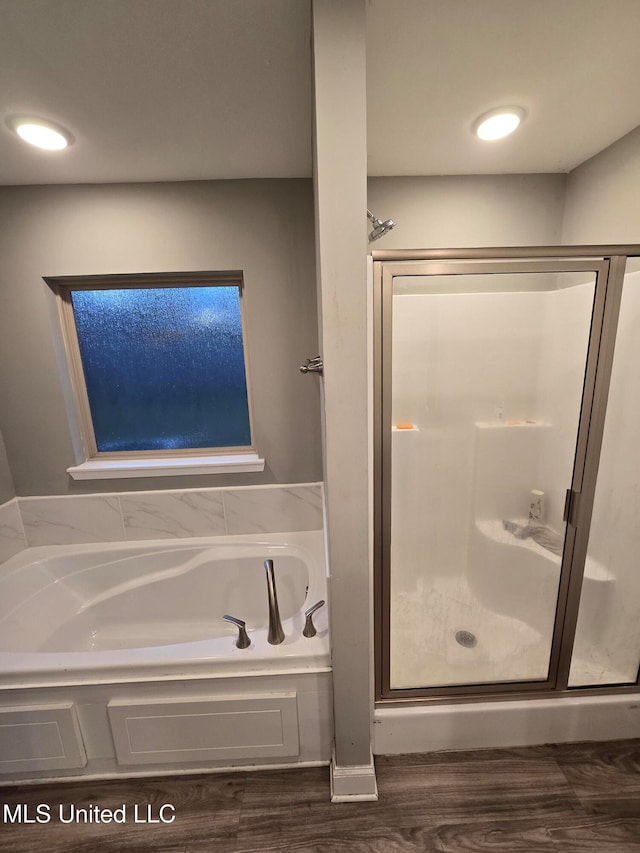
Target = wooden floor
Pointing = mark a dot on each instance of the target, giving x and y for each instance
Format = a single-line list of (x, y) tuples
[(575, 797)]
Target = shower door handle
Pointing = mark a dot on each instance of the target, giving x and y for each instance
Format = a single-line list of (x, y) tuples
[(571, 504)]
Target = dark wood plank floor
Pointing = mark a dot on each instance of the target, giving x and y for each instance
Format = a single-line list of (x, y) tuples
[(573, 797)]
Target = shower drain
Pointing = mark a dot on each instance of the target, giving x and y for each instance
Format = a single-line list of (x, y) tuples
[(466, 639)]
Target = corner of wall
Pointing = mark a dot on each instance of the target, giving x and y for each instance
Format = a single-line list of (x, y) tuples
[(602, 203)]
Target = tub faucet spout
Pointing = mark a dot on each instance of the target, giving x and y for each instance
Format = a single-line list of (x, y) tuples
[(276, 633)]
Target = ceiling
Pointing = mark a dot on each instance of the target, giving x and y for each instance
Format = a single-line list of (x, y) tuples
[(436, 65), (158, 90), (167, 90)]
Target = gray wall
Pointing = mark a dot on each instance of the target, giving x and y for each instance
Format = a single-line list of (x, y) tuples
[(603, 196), (264, 227), (468, 210), (7, 490)]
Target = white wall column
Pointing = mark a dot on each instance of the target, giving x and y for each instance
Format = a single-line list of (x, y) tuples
[(340, 176)]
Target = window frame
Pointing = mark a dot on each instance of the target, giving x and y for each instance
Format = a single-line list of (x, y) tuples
[(62, 286)]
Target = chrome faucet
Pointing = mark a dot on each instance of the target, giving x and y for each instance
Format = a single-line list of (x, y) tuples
[(276, 633)]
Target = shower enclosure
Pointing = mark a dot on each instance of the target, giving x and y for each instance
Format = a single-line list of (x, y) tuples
[(507, 477)]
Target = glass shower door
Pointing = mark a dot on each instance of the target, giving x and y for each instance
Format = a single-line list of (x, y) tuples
[(482, 391), (606, 650)]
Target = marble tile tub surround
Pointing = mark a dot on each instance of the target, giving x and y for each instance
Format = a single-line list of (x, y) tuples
[(12, 537), (113, 517)]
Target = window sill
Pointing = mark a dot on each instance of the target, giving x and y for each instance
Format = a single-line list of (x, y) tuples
[(169, 467)]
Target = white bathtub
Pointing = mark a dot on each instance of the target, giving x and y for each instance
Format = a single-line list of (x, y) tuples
[(149, 610)]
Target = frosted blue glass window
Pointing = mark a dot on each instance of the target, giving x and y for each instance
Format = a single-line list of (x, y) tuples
[(164, 367)]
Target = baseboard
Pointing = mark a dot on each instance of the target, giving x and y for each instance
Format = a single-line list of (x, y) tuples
[(504, 724), (353, 783), (105, 772)]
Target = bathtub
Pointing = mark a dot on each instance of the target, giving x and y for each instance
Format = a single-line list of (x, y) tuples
[(122, 611)]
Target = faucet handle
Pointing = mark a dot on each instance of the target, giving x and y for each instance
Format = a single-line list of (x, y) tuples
[(309, 629), (243, 641)]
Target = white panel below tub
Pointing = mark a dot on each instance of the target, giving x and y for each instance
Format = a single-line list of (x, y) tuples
[(160, 732), (40, 738)]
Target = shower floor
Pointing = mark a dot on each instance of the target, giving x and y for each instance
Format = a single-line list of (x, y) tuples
[(425, 651)]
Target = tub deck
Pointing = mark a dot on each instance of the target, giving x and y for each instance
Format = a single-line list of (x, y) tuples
[(117, 611)]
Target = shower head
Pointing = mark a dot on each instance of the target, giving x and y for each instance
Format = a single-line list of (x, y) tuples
[(380, 228)]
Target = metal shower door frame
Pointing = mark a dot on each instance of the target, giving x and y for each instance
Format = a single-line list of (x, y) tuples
[(608, 263)]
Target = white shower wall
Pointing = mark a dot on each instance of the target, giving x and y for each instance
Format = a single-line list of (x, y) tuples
[(467, 359), (452, 369)]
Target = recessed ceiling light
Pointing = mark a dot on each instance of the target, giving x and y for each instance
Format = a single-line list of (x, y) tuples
[(498, 123), (42, 134)]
